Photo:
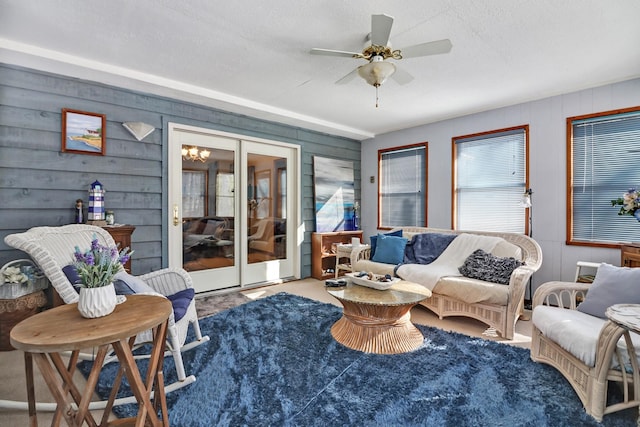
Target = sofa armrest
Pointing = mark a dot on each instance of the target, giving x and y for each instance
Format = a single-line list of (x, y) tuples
[(360, 252), (560, 294), (518, 283)]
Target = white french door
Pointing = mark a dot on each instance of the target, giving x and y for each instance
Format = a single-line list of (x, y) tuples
[(233, 208)]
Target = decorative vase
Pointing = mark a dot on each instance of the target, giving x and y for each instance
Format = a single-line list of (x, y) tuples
[(97, 302)]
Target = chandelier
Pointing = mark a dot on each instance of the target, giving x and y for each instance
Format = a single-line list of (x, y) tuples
[(194, 154)]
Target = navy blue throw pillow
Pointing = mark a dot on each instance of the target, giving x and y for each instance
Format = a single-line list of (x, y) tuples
[(180, 302), (72, 276)]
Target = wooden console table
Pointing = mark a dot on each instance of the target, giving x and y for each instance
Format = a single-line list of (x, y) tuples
[(630, 255), (122, 236), (46, 335)]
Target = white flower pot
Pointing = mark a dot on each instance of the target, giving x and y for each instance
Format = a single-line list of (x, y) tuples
[(97, 302)]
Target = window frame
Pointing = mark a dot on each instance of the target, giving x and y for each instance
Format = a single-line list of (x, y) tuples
[(570, 173), (479, 137), (383, 151)]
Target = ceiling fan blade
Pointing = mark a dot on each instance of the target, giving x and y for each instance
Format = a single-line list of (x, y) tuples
[(380, 29), (401, 77), (331, 52), (429, 48), (348, 78)]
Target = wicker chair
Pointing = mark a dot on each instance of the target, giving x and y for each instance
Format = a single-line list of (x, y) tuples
[(590, 381), (52, 248)]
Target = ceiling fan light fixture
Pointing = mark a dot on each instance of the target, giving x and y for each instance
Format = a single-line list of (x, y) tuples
[(377, 71)]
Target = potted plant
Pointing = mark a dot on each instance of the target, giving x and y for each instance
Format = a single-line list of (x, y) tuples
[(629, 203), (96, 268)]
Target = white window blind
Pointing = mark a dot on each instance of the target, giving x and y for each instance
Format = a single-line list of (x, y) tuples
[(490, 181), (606, 158), (403, 188)]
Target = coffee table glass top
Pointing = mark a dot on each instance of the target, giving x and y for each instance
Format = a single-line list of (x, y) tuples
[(400, 293)]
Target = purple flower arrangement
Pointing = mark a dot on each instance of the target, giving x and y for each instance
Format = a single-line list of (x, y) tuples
[(99, 264)]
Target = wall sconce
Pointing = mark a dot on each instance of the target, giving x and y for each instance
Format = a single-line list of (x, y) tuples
[(194, 154), (138, 129), (526, 198), (525, 202)]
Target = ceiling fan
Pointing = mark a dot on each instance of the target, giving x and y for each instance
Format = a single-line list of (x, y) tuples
[(378, 49)]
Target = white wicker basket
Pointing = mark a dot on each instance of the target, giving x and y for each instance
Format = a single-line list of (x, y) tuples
[(37, 281)]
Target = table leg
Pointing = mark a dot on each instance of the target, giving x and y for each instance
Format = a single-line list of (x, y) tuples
[(56, 386), (83, 400), (159, 396), (66, 373), (31, 393), (142, 394)]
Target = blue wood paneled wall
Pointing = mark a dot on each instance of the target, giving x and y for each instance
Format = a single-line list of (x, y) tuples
[(39, 184)]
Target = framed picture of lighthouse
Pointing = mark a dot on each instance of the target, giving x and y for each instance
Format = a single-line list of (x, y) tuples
[(83, 132)]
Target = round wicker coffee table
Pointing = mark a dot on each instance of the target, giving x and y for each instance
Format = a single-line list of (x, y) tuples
[(376, 321)]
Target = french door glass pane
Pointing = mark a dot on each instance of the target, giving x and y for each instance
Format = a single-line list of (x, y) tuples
[(208, 208), (266, 208)]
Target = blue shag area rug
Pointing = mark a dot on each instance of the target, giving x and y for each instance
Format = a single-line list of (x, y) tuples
[(273, 362)]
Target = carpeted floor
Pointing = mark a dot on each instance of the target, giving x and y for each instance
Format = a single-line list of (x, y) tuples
[(273, 362)]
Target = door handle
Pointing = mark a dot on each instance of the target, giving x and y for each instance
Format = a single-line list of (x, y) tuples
[(176, 215)]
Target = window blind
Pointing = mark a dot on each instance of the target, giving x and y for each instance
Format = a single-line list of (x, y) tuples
[(490, 181), (606, 155), (403, 187)]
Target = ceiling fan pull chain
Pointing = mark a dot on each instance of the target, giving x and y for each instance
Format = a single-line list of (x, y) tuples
[(377, 86)]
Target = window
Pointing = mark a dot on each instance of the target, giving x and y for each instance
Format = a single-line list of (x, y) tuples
[(603, 156), (490, 178), (402, 190)]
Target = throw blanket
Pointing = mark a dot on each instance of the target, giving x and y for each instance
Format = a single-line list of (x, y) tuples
[(424, 248), (448, 262)]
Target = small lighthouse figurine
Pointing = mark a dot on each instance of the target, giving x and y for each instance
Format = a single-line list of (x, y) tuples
[(96, 212)]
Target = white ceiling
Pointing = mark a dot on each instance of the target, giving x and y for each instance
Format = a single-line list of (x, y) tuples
[(252, 56)]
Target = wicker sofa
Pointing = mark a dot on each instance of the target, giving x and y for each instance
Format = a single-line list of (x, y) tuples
[(497, 305)]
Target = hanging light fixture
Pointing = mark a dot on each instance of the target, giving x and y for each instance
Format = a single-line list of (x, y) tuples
[(376, 72), (195, 154)]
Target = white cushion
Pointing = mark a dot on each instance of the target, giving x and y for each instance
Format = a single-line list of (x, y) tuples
[(504, 249), (374, 267), (576, 332), (472, 291)]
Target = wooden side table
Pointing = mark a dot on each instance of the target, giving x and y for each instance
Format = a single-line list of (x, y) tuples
[(46, 335)]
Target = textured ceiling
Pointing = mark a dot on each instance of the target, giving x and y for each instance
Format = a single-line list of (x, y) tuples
[(252, 56)]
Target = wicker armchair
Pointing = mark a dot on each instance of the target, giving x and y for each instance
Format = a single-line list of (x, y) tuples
[(51, 248), (557, 301)]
